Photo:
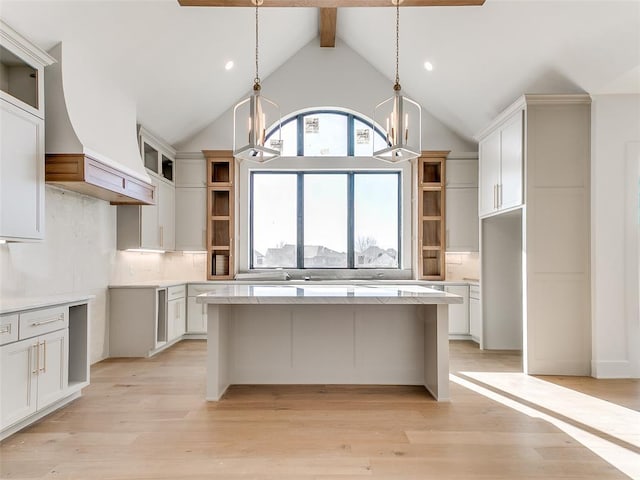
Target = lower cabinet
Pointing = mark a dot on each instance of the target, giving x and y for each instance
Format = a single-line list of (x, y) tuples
[(459, 312), (475, 313), (197, 312), (144, 320), (176, 312), (46, 363)]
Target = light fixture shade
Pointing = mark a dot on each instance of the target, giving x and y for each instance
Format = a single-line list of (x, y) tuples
[(250, 120), (402, 119)]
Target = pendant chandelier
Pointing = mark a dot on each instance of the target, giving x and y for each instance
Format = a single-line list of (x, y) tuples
[(396, 114), (250, 120)]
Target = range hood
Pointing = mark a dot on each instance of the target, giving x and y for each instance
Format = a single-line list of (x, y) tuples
[(90, 135)]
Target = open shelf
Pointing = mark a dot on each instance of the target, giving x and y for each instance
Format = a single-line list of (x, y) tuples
[(219, 202), (220, 214), (431, 215), (18, 79)]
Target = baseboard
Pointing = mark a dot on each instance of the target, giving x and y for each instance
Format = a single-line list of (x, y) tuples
[(611, 369)]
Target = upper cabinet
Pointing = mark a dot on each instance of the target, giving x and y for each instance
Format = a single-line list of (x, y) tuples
[(151, 227), (22, 133), (462, 204), (191, 202), (501, 166)]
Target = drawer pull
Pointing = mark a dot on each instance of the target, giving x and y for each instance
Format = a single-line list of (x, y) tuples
[(44, 357), (36, 348), (59, 318), (5, 328)]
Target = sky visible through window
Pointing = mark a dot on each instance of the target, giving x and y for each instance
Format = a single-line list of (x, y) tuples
[(376, 217)]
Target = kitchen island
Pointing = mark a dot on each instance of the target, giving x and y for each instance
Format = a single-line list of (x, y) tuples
[(327, 334)]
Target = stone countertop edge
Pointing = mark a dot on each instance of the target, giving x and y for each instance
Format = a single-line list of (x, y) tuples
[(13, 305), (172, 283)]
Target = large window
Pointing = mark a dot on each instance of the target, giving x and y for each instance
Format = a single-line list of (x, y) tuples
[(325, 219)]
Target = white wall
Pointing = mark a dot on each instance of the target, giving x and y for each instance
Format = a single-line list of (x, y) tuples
[(615, 299), (336, 77), (79, 256)]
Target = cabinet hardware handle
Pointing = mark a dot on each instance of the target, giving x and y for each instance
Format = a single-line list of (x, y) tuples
[(59, 318), (500, 195), (36, 349), (44, 358), (6, 328), (161, 236), (494, 196)]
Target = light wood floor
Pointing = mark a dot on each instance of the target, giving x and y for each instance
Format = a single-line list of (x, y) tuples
[(147, 419)]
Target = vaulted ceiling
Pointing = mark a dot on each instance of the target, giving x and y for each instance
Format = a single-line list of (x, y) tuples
[(171, 59)]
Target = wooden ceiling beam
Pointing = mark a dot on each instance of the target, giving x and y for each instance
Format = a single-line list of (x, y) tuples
[(327, 20), (329, 3)]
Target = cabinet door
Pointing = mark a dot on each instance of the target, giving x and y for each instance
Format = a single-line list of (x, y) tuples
[(19, 375), (176, 318), (191, 173), (21, 174), (149, 228), (53, 368), (489, 173), (196, 316), (166, 215), (462, 219), (511, 167), (475, 319), (191, 218), (459, 312)]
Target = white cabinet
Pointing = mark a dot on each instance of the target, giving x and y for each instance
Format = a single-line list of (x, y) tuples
[(151, 227), (475, 313), (145, 320), (196, 312), (176, 312), (501, 154), (46, 362), (166, 215), (459, 312), (461, 201), (191, 219), (22, 133)]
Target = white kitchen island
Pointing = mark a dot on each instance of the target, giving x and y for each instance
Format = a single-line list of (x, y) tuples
[(327, 334)]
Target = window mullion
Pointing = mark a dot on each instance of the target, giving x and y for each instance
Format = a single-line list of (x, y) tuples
[(350, 220), (300, 221)]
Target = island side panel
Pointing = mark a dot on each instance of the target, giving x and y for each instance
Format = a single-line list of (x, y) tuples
[(436, 350), (218, 318)]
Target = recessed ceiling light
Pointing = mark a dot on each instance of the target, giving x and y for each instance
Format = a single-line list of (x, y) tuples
[(228, 65), (428, 66)]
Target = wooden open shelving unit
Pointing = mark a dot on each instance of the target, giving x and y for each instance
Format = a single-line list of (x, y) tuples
[(431, 215), (220, 214)]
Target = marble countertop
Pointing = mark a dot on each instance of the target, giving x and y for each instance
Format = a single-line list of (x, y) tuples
[(307, 293), (171, 283), (11, 305), (154, 284)]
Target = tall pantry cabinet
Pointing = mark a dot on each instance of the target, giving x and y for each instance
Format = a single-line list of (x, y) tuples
[(22, 133), (534, 195)]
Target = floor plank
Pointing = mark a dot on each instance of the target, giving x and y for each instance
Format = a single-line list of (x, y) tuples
[(147, 419)]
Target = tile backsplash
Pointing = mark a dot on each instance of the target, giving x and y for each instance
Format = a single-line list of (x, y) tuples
[(462, 266)]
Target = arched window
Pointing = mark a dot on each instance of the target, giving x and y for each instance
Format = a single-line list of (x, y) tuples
[(327, 132)]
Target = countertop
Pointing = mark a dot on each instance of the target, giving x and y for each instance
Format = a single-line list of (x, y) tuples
[(315, 293), (11, 305), (171, 283)]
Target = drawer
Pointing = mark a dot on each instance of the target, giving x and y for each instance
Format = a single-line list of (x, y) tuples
[(39, 322), (195, 290), (177, 291), (8, 328)]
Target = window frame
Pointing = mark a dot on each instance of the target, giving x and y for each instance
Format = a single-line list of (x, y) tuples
[(298, 118), (351, 210)]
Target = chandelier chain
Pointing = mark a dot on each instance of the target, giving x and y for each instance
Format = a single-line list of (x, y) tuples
[(257, 79), (397, 42)]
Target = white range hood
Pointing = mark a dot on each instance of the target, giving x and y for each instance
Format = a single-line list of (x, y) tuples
[(90, 134)]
